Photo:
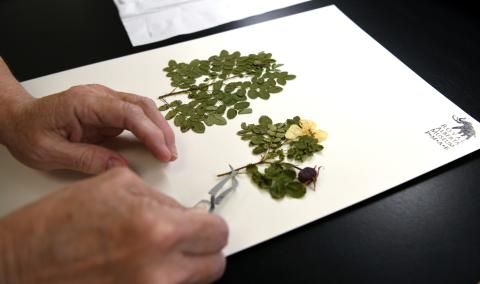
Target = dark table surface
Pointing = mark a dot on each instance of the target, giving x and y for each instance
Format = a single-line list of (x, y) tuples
[(424, 231)]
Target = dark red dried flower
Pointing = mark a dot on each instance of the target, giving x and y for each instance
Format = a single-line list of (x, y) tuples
[(308, 175)]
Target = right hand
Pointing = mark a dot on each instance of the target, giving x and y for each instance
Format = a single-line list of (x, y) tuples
[(112, 228), (61, 131)]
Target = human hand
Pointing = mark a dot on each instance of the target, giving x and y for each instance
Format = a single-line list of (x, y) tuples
[(110, 229), (58, 131)]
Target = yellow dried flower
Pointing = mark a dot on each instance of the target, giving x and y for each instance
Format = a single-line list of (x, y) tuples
[(294, 131), (307, 127)]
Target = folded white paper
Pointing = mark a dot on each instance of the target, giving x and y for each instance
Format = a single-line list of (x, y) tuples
[(148, 21), (386, 125)]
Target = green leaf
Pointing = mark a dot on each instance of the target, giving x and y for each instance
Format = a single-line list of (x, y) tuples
[(179, 120), (252, 94), (241, 105), (211, 108), (273, 170), (295, 189), (208, 121), (245, 111), (198, 127), (170, 114), (265, 120), (243, 132), (221, 109), (231, 113), (290, 77), (251, 169), (247, 136), (264, 95), (259, 149), (185, 127), (163, 107), (241, 93), (218, 120), (257, 140), (275, 89), (289, 173), (175, 103), (217, 85), (278, 190), (223, 53)]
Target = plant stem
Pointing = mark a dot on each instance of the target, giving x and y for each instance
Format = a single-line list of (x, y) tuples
[(261, 162), (241, 168)]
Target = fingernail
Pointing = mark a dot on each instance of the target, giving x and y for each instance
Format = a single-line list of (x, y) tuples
[(113, 163), (173, 150), (166, 152)]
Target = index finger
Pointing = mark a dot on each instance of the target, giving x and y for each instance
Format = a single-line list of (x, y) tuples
[(112, 112), (152, 112)]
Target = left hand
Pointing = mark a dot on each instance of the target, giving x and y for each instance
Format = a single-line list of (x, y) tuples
[(59, 131)]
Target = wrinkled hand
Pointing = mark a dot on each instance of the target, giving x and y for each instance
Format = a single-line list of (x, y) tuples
[(57, 131), (111, 229)]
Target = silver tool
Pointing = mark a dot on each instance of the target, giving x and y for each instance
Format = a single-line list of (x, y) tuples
[(217, 193)]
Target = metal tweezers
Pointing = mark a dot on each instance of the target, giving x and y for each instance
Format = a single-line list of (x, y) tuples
[(217, 193)]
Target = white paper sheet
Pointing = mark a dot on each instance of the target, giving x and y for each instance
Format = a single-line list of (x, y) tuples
[(385, 123), (148, 21)]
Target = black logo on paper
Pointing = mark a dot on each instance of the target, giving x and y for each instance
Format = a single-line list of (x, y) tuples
[(465, 129), (450, 136)]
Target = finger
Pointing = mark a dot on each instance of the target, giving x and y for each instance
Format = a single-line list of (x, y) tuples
[(87, 158), (205, 268), (205, 233), (152, 112), (110, 112)]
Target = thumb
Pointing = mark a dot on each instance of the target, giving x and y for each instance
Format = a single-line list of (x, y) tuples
[(87, 158)]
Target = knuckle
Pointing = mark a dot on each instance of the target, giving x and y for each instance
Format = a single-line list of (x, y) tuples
[(166, 236), (83, 100), (96, 86), (160, 233), (40, 153), (148, 102), (132, 109), (77, 90), (124, 175)]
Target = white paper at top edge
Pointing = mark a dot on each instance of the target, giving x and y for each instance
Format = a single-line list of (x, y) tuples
[(148, 21)]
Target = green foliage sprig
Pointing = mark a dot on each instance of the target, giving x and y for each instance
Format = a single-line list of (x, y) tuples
[(220, 88), (279, 178)]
